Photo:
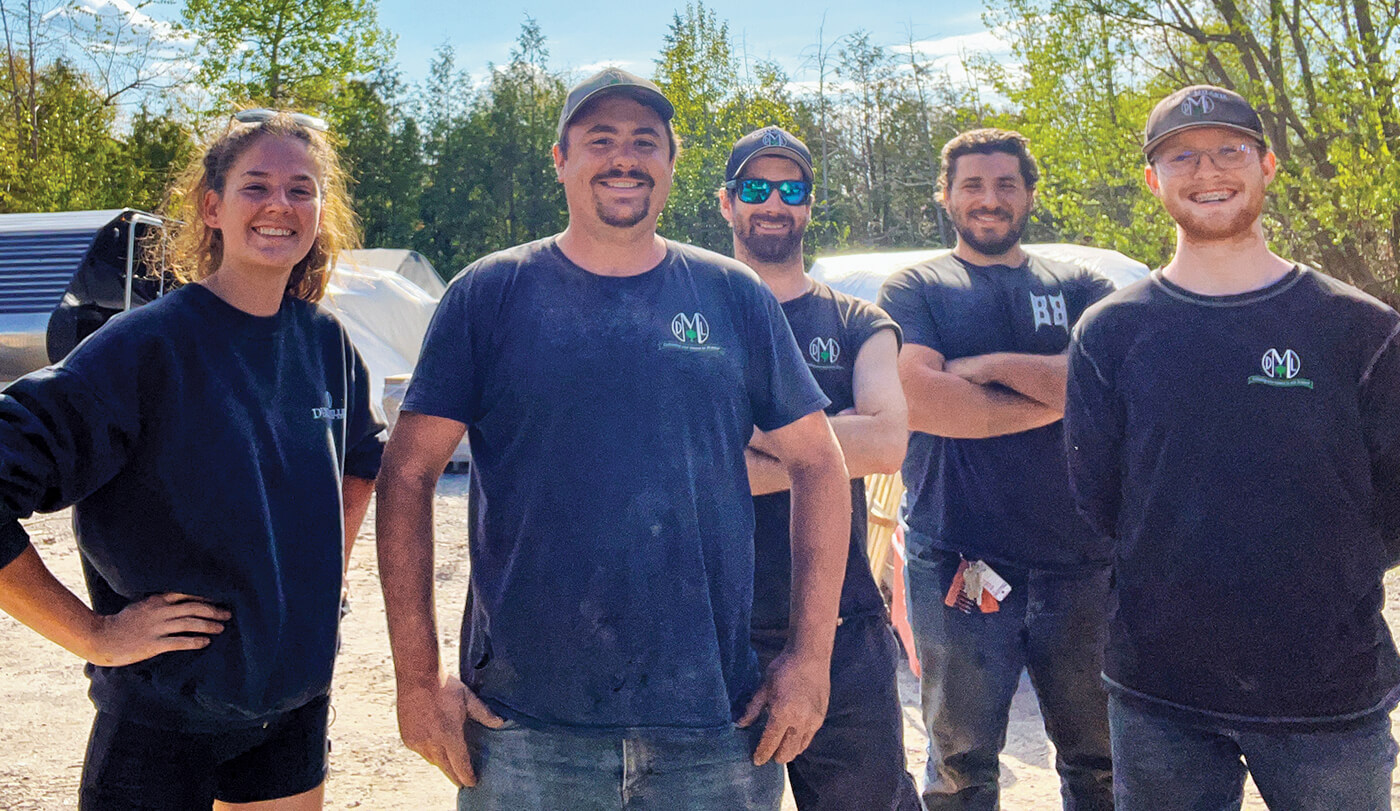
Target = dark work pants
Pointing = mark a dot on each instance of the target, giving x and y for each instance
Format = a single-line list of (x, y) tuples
[(1053, 625), (856, 760)]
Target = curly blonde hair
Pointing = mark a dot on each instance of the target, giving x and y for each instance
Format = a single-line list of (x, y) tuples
[(190, 250)]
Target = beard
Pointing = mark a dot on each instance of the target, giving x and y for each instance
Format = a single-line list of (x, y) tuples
[(1234, 224), (991, 245), (622, 215), (771, 249)]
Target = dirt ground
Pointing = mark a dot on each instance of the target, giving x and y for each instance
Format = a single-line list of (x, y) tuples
[(45, 713)]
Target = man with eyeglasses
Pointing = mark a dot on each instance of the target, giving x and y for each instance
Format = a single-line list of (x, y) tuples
[(856, 759), (1003, 576), (610, 381), (1233, 422)]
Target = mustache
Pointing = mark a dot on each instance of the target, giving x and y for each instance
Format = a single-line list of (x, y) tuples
[(631, 174), (996, 212)]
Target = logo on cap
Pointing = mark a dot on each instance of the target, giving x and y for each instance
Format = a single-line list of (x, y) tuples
[(772, 137), (1203, 100)]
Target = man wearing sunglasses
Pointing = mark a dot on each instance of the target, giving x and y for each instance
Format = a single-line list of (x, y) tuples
[(1233, 423), (856, 759), (1003, 576), (610, 381)]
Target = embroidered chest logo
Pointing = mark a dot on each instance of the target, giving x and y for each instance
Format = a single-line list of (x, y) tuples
[(328, 412), (824, 351), (1049, 311), (1281, 369), (690, 329)]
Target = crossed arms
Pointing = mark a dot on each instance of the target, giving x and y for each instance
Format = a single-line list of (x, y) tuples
[(872, 435), (982, 395)]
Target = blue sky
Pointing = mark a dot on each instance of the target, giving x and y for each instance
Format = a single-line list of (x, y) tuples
[(582, 36)]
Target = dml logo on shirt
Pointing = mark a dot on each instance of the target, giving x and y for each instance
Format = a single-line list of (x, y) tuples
[(824, 351), (690, 329), (1281, 370), (691, 332), (1049, 311), (328, 412)]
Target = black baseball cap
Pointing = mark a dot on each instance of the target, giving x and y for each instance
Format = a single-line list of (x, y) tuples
[(1201, 105), (609, 81), (771, 140)]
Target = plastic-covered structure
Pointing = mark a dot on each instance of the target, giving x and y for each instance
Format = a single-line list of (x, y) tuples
[(411, 265), (62, 275), (861, 275), (386, 314)]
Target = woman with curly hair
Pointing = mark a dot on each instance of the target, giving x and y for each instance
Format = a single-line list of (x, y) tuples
[(218, 448)]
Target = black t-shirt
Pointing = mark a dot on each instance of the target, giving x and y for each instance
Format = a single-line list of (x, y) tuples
[(612, 551), (830, 328), (1243, 452), (204, 448), (1003, 499)]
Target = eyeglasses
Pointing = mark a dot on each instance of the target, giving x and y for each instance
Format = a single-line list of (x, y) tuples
[(755, 190), (260, 115), (1187, 161)]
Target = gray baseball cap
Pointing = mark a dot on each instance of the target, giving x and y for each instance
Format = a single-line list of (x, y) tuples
[(1201, 105), (607, 82)]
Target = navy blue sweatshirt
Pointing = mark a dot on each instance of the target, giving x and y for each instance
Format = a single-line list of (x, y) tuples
[(1244, 454), (204, 449)]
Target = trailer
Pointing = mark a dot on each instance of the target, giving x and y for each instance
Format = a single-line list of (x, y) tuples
[(62, 275)]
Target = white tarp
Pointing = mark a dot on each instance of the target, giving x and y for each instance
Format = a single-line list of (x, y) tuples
[(386, 316), (411, 265), (861, 275)]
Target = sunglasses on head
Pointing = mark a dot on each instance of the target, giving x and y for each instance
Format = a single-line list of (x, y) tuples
[(260, 115), (755, 190)]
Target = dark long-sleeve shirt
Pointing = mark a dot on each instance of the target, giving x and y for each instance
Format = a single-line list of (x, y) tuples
[(1242, 451)]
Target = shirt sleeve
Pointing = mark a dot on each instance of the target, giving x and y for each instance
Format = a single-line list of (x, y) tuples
[(444, 381), (868, 319), (59, 442), (903, 298), (1380, 414), (781, 387), (364, 434), (1094, 423)]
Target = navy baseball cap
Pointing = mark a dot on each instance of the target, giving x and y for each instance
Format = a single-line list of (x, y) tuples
[(1201, 105), (770, 140), (610, 81)]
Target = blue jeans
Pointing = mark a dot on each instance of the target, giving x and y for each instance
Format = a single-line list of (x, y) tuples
[(521, 769), (1051, 624), (1174, 764), (856, 759)]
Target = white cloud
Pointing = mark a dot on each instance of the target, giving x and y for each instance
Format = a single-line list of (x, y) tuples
[(982, 42)]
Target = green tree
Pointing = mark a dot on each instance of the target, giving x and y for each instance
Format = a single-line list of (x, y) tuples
[(715, 105), (381, 148), (1325, 77), (286, 54)]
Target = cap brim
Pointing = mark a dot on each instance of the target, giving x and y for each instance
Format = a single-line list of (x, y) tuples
[(643, 95), (1151, 145), (779, 152)]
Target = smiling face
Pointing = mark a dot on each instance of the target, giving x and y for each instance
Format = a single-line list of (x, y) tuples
[(769, 232), (989, 203), (617, 170), (1209, 203), (270, 208)]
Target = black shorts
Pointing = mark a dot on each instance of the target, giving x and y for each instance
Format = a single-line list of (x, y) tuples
[(130, 766)]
